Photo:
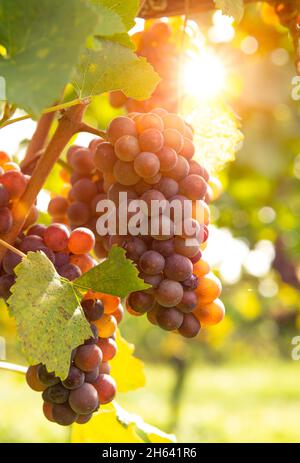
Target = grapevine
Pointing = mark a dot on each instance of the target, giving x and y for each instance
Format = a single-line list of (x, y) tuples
[(128, 215)]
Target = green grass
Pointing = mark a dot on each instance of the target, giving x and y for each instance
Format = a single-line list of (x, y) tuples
[(249, 403)]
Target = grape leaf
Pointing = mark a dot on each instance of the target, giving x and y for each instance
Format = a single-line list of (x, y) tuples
[(49, 318), (116, 275), (109, 22), (114, 67), (234, 8), (123, 362), (114, 424), (126, 10), (43, 42)]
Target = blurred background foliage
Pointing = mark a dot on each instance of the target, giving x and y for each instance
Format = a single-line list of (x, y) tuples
[(237, 381)]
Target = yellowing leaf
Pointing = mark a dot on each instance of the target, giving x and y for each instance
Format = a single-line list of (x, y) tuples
[(114, 425), (234, 8), (127, 370)]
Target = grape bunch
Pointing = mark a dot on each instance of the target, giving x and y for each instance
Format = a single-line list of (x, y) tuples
[(12, 185), (156, 43), (149, 156), (88, 384), (69, 252)]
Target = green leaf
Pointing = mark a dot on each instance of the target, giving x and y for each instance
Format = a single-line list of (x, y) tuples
[(43, 42), (116, 275), (114, 67), (49, 318), (109, 22), (127, 10), (234, 8)]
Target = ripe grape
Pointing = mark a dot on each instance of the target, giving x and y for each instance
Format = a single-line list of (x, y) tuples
[(165, 248), (38, 230), (173, 139), (135, 247), (63, 414), (93, 310), (106, 325), (82, 161), (183, 248), (151, 140), (209, 288), (149, 121), (84, 190), (168, 187), (104, 157), (153, 280), (169, 293), (141, 301), (48, 411), (127, 148), (10, 261), (193, 187), (84, 261), (188, 149), (181, 169), (56, 237), (48, 379), (6, 220), (70, 271), (32, 243), (105, 368), (190, 326), (146, 165), (88, 357), (170, 319), (81, 241), (84, 400), (108, 347), (178, 267), (58, 206), (152, 263), (6, 282), (33, 379), (106, 388), (189, 302), (125, 173), (155, 202), (57, 394), (4, 196), (14, 183), (75, 378), (120, 126), (210, 314), (83, 419), (92, 375)]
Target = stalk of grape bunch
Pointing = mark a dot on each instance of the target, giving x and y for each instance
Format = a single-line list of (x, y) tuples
[(150, 157), (88, 384)]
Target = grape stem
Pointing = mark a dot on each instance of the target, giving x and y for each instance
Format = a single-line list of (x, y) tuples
[(51, 109), (12, 248), (68, 125), (89, 129), (13, 367)]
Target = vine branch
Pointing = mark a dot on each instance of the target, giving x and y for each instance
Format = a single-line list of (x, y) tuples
[(13, 367)]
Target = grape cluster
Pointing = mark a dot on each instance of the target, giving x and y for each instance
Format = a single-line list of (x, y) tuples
[(88, 384), (69, 252), (156, 44), (12, 185), (149, 156)]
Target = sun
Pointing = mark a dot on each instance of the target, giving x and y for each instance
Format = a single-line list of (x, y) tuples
[(204, 75)]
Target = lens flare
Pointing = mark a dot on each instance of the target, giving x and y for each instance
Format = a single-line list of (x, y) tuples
[(204, 75)]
